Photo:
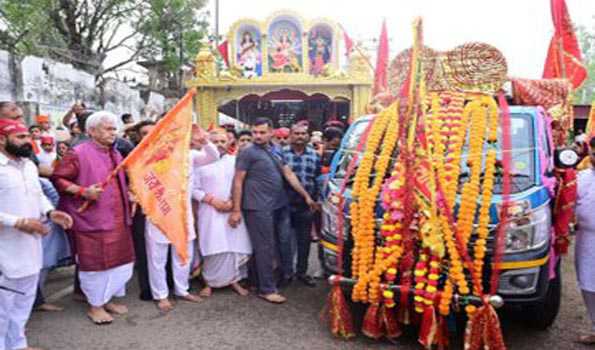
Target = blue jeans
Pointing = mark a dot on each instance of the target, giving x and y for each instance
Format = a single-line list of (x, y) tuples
[(287, 241), (301, 222), (272, 240)]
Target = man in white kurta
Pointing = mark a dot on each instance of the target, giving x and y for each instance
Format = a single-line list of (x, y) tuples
[(225, 249), (585, 240), (23, 206), (158, 244)]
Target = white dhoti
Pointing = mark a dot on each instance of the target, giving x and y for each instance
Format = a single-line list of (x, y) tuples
[(101, 286), (225, 249), (15, 310), (156, 261), (221, 270)]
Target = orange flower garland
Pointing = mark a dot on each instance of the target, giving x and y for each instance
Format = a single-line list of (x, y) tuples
[(364, 206), (479, 249)]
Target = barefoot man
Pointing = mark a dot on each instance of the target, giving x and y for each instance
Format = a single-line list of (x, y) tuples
[(158, 244), (225, 249), (103, 245)]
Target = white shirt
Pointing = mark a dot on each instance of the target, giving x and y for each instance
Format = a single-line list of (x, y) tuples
[(21, 196), (46, 158), (216, 236)]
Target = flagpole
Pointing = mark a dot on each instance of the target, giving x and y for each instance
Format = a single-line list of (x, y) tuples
[(359, 50)]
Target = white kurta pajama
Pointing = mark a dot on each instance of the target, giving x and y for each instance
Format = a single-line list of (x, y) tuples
[(157, 244), (225, 249), (585, 239), (21, 197)]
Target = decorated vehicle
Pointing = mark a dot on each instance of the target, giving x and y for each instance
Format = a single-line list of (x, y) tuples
[(443, 202), (529, 279)]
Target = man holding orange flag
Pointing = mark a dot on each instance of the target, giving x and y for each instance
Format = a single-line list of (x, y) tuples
[(101, 233)]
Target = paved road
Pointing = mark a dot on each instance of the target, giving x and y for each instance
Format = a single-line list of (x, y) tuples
[(227, 321)]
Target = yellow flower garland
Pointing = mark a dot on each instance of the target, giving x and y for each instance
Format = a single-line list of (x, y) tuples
[(479, 249)]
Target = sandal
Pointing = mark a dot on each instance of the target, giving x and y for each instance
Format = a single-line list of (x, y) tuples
[(273, 298)]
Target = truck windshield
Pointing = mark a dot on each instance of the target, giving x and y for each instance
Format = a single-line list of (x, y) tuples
[(523, 151), (349, 148), (523, 156)]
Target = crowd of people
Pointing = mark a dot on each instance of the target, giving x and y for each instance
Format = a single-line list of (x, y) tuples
[(254, 196)]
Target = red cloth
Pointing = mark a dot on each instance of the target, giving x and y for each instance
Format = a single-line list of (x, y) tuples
[(224, 51), (539, 92), (281, 132), (348, 42), (381, 73), (47, 139), (564, 208), (9, 126), (564, 54)]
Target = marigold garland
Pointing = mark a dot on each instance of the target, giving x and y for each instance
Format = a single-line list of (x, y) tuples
[(363, 207)]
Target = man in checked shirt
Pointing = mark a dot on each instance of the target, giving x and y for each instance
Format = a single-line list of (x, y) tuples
[(305, 163)]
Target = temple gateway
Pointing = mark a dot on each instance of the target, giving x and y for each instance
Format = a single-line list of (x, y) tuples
[(286, 68)]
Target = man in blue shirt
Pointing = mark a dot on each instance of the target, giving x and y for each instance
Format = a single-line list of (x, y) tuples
[(306, 165)]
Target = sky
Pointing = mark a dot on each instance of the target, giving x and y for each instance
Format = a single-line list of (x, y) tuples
[(521, 29)]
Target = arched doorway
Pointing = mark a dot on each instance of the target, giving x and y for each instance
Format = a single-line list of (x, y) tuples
[(286, 107)]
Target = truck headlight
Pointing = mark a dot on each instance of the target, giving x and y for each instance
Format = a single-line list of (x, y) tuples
[(531, 231)]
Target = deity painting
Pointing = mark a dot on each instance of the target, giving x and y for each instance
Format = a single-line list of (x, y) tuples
[(248, 51), (285, 47), (320, 48)]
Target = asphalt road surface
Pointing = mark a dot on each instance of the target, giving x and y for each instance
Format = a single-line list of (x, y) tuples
[(228, 321)]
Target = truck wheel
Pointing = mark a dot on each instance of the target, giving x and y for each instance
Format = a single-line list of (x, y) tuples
[(543, 315)]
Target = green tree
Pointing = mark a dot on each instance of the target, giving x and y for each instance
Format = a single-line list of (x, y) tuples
[(174, 30), (85, 32), (586, 37)]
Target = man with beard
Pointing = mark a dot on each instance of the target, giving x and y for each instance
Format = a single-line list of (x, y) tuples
[(225, 249), (22, 210), (101, 233), (306, 165), (259, 191)]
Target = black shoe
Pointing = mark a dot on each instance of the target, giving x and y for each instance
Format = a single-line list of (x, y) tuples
[(307, 280)]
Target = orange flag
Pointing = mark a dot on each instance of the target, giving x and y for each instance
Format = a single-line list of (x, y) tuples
[(590, 130), (158, 173)]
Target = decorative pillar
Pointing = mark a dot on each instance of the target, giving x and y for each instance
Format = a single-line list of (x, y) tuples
[(206, 107)]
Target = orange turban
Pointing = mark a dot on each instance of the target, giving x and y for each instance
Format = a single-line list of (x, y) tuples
[(42, 118)]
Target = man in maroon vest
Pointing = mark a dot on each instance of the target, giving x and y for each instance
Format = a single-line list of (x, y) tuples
[(101, 233)]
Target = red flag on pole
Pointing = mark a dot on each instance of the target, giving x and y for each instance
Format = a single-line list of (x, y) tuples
[(348, 42), (564, 54), (380, 74), (224, 51)]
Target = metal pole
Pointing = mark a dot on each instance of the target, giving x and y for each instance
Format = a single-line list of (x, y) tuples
[(217, 23), (495, 300), (181, 72)]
